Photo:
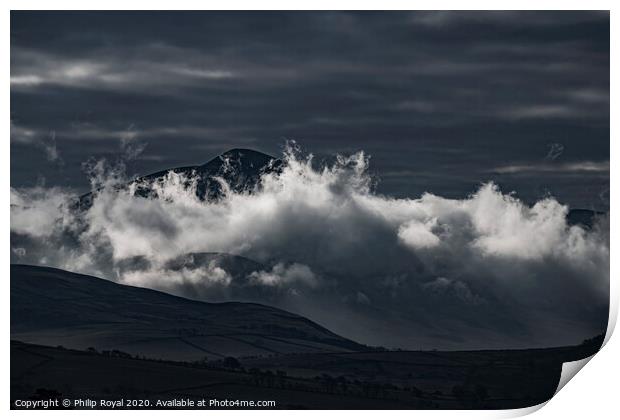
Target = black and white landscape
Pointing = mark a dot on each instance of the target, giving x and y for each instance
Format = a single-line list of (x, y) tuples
[(425, 238)]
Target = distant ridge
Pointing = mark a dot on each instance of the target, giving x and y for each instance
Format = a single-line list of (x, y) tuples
[(582, 217)]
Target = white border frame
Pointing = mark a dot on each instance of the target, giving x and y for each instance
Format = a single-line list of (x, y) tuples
[(592, 395)]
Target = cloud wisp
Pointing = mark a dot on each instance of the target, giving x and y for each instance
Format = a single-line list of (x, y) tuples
[(568, 167)]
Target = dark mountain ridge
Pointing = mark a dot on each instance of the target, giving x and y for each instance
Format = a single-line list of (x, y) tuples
[(55, 307), (240, 169), (583, 217)]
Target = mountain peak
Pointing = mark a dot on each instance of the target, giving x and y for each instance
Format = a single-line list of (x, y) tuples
[(244, 152), (242, 157), (240, 168)]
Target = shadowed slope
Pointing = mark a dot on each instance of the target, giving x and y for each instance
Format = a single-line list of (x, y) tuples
[(56, 307)]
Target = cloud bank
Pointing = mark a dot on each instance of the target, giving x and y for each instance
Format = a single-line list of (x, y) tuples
[(484, 271)]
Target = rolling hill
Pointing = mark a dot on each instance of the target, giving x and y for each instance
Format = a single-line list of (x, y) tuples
[(56, 307)]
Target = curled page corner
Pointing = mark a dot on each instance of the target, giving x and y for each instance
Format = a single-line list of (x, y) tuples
[(520, 412), (569, 370)]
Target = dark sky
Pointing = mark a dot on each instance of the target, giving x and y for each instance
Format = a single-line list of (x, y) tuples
[(441, 100)]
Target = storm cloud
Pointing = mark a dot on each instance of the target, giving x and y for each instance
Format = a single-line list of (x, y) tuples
[(485, 129), (482, 271), (437, 98)]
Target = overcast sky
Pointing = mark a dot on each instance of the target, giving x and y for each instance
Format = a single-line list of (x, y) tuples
[(441, 101)]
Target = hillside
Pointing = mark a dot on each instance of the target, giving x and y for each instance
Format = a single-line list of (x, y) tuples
[(56, 307)]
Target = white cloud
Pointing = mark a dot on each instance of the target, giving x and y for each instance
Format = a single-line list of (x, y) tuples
[(323, 235), (540, 111), (40, 212), (145, 69), (419, 235), (47, 143), (21, 134), (585, 166), (591, 96), (172, 280), (282, 274)]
